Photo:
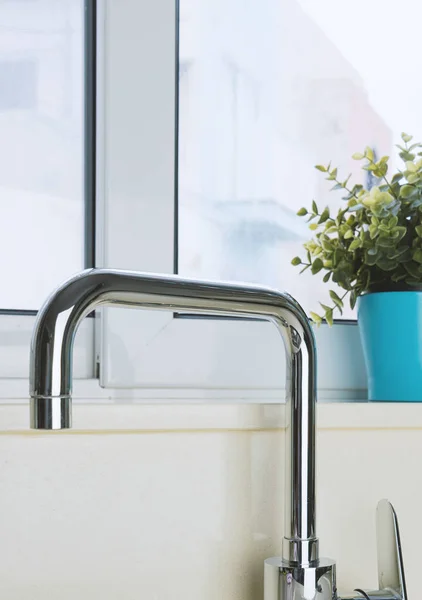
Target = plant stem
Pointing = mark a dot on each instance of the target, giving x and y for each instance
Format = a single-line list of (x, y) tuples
[(347, 190)]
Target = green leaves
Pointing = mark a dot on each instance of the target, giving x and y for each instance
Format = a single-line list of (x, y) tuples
[(412, 269), (333, 175), (337, 301), (369, 153), (386, 242), (327, 244), (401, 254), (405, 155), (386, 264), (317, 265), (379, 169), (328, 313), (406, 191), (316, 318), (399, 233), (370, 259), (357, 243), (329, 317), (397, 177), (373, 231), (376, 235), (417, 255), (324, 216)]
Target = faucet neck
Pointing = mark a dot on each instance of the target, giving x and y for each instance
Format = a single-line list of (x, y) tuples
[(51, 366)]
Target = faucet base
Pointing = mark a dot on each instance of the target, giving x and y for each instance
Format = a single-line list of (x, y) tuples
[(285, 581), (54, 412)]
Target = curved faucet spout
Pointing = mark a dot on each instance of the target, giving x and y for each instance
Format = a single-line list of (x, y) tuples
[(51, 366)]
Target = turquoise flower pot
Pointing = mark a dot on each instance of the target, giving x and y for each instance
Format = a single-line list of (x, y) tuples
[(390, 326)]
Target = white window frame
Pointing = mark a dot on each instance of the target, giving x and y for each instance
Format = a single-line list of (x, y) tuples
[(155, 354)]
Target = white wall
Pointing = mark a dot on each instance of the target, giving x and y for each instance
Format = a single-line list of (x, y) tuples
[(172, 502)]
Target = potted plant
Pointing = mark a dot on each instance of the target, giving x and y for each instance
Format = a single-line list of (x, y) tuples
[(372, 249)]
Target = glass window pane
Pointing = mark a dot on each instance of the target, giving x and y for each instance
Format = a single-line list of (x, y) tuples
[(268, 89), (41, 147)]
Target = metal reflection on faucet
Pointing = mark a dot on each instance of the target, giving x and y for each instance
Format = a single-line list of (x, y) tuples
[(300, 573), (59, 318)]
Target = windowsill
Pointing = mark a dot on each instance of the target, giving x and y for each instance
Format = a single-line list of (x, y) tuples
[(89, 390), (97, 416)]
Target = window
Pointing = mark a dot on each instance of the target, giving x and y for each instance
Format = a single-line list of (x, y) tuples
[(209, 118), (44, 196), (265, 91), (152, 151), (41, 161), (18, 84), (272, 91)]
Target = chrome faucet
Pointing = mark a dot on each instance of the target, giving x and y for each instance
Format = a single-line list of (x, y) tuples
[(300, 573)]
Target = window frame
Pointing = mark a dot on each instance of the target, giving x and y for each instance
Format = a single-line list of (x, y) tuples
[(137, 222)]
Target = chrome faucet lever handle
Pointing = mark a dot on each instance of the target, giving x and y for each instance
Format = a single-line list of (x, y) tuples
[(391, 578), (390, 558)]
